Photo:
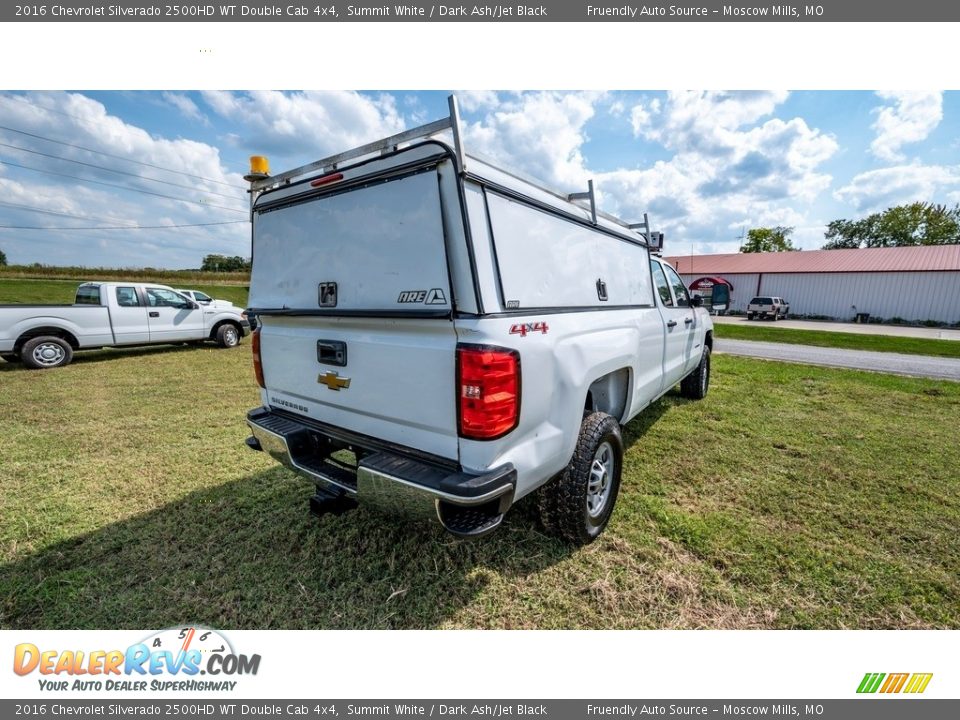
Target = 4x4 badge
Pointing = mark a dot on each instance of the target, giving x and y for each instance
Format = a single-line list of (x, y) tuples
[(333, 381)]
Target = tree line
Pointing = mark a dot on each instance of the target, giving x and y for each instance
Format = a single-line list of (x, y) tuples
[(918, 223), (211, 263)]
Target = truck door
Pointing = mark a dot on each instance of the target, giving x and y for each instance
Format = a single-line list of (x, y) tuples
[(128, 316), (691, 346), (172, 317), (679, 321)]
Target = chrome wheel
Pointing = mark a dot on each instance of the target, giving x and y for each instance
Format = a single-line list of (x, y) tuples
[(230, 337), (601, 474), (48, 354)]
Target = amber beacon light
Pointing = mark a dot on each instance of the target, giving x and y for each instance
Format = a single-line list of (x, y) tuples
[(259, 168)]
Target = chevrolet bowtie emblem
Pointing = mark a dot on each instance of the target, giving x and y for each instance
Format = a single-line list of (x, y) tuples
[(334, 381)]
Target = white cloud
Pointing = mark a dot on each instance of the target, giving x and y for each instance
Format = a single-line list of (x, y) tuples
[(476, 100), (908, 117), (307, 125), (84, 123), (730, 159), (540, 133), (879, 189), (732, 165), (187, 107)]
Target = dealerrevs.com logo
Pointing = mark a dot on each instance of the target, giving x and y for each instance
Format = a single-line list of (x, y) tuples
[(892, 683), (178, 659)]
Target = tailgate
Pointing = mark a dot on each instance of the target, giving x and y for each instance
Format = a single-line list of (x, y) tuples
[(353, 292), (401, 376)]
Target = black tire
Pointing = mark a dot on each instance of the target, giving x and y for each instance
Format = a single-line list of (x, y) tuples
[(695, 385), (577, 504), (228, 335), (749, 316), (46, 352), (774, 317), (10, 357)]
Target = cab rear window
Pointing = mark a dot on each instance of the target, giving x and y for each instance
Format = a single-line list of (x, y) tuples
[(88, 295), (762, 301)]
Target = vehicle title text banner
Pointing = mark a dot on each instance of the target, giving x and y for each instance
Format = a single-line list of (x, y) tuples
[(217, 707), (331, 11)]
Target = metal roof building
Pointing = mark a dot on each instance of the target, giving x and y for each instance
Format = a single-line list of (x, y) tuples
[(909, 283)]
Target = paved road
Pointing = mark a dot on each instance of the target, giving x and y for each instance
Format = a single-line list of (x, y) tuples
[(900, 364), (826, 326)]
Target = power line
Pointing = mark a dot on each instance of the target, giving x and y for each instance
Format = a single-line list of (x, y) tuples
[(112, 170), (133, 226), (120, 227), (34, 208), (121, 187), (101, 152)]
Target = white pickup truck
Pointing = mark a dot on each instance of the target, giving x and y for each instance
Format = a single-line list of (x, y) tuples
[(201, 298), (112, 314), (439, 334), (768, 307)]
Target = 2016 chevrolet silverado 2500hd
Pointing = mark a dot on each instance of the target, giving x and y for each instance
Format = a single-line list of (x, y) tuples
[(112, 314), (442, 334)]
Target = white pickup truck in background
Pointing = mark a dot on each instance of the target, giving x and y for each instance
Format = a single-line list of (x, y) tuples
[(437, 333), (774, 308), (112, 314), (201, 298)]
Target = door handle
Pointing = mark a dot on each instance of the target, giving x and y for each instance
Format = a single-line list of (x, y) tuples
[(154, 313), (672, 323), (687, 321)]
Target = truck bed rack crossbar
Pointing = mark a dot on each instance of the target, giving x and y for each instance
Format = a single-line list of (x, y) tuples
[(387, 144)]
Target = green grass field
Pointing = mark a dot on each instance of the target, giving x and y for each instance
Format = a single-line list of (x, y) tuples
[(852, 341), (792, 497), (61, 292), (165, 277)]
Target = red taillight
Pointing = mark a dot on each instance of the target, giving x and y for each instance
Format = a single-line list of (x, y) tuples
[(488, 391), (257, 362), (326, 179)]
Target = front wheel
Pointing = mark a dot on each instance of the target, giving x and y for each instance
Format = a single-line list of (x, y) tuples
[(228, 336), (42, 353), (578, 503), (695, 385)]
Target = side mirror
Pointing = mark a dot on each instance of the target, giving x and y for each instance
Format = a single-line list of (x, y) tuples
[(194, 306), (696, 301)]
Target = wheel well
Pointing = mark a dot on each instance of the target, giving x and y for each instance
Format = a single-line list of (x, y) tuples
[(41, 331), (216, 328), (609, 394)]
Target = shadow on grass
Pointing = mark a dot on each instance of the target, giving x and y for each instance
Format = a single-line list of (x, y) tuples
[(247, 555), (83, 357)]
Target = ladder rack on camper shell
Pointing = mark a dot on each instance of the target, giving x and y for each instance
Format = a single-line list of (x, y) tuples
[(258, 185)]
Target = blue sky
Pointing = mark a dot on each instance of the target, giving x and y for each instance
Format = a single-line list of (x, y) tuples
[(705, 165)]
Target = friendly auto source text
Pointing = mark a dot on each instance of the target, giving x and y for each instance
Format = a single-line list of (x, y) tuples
[(632, 11)]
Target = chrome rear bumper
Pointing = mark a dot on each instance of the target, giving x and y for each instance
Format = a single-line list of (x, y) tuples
[(466, 505)]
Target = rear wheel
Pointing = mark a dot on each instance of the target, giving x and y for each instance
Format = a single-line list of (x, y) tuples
[(695, 385), (42, 353), (577, 504), (749, 316), (228, 336)]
